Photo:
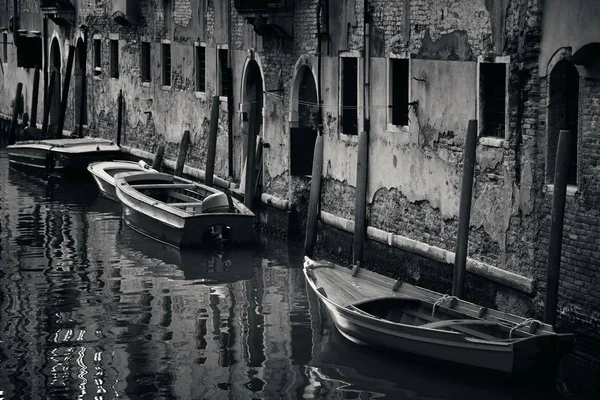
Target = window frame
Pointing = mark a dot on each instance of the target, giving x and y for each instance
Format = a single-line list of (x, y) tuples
[(197, 46), (166, 44), (146, 61), (391, 127), (220, 76), (359, 100), (485, 139), (114, 58)]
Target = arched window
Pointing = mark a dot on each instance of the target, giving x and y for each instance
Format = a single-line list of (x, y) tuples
[(563, 114), (303, 123)]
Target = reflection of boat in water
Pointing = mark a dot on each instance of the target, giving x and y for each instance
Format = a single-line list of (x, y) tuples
[(216, 265)]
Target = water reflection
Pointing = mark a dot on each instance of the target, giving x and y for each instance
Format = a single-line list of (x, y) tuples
[(91, 309)]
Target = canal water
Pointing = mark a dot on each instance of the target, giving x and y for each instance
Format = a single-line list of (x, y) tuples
[(91, 309)]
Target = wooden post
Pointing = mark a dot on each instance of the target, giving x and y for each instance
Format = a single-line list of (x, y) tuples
[(48, 104), (34, 96), (314, 201), (556, 231), (464, 212), (65, 92), (212, 142), (360, 209), (120, 117), (158, 157), (183, 149), (82, 100), (251, 155), (13, 123)]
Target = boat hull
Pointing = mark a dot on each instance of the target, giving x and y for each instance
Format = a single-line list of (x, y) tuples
[(175, 227), (103, 173), (540, 352), (59, 157)]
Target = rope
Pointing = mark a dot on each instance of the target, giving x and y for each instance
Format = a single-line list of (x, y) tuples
[(441, 300), (522, 324)]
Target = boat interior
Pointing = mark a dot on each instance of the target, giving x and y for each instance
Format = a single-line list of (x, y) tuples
[(377, 301), (186, 196)]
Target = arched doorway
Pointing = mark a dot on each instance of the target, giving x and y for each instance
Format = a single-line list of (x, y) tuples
[(80, 86), (303, 129), (252, 93), (55, 64), (563, 113)]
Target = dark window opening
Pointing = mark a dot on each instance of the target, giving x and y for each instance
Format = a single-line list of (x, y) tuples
[(563, 114), (492, 81), (349, 96), (114, 58), (4, 47), (200, 69), (399, 88), (29, 52), (145, 61), (224, 71), (166, 64), (97, 53)]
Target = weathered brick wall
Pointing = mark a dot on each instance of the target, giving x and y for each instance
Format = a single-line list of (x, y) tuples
[(579, 283)]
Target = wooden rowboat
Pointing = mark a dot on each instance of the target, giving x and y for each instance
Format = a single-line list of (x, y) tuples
[(181, 214), (104, 173), (370, 309), (61, 156)]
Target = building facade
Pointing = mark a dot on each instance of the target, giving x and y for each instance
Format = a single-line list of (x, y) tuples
[(524, 69)]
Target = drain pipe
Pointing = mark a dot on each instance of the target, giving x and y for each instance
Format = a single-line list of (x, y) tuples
[(319, 56)]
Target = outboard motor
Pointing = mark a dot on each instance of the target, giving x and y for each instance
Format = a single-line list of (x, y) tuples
[(216, 203)]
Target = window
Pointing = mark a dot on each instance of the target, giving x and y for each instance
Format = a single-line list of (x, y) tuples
[(166, 64), (349, 96), (114, 58), (398, 92), (200, 68), (145, 62), (492, 99), (224, 72), (563, 114), (29, 52), (97, 56), (4, 47)]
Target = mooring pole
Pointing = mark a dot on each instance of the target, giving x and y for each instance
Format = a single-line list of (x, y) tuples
[(13, 123), (181, 156), (65, 92), (314, 201), (556, 229), (82, 101), (120, 117), (360, 209), (212, 142), (48, 104), (158, 157), (251, 155), (464, 212), (34, 96)]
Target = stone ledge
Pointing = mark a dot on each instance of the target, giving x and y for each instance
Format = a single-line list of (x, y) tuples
[(499, 275)]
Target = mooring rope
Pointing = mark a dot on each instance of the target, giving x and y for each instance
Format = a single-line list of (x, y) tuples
[(522, 324), (440, 300)]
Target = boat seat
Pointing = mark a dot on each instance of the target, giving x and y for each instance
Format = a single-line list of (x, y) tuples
[(454, 322), (186, 204)]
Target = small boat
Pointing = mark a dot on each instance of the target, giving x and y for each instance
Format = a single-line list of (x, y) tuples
[(182, 214), (104, 174), (373, 310), (61, 156)]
